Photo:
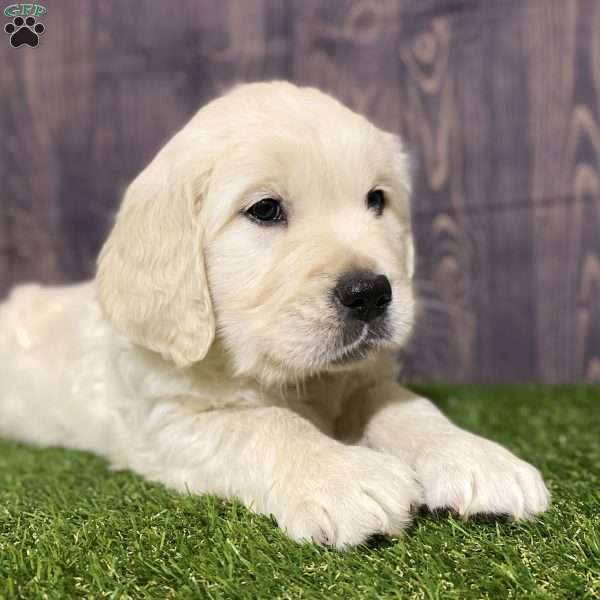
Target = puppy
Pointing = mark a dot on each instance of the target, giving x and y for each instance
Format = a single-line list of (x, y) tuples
[(239, 336)]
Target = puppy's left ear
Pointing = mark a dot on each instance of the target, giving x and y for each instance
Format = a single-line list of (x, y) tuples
[(151, 278), (403, 168)]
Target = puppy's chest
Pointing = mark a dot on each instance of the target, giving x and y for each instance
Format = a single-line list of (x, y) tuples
[(322, 401)]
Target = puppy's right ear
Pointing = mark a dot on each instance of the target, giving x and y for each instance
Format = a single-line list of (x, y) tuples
[(151, 279)]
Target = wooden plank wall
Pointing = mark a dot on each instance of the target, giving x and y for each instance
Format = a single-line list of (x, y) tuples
[(499, 100)]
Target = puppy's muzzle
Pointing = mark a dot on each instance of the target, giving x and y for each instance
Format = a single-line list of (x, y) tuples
[(363, 295)]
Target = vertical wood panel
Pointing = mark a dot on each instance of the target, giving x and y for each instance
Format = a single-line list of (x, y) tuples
[(563, 127), (349, 48), (492, 94), (430, 40)]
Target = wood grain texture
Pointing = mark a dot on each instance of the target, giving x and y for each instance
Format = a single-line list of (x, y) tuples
[(499, 102)]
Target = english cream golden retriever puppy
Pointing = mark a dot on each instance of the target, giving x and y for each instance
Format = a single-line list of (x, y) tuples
[(239, 336)]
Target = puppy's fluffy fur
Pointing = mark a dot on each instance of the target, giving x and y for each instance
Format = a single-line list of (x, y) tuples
[(208, 353)]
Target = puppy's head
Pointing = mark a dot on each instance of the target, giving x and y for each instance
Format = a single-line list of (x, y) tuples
[(280, 216)]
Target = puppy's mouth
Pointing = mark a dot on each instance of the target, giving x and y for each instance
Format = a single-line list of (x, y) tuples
[(356, 344)]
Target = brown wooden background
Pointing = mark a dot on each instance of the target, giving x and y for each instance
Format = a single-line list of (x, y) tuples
[(499, 99)]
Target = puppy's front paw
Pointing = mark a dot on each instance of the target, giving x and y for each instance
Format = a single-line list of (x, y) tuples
[(475, 476), (348, 495)]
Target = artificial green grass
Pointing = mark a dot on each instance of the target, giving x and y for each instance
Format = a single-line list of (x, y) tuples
[(71, 528)]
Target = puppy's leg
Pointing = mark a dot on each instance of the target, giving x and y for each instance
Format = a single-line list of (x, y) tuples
[(456, 469), (278, 463)]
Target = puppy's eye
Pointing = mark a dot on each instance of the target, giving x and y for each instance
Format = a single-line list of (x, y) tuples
[(376, 201), (266, 210)]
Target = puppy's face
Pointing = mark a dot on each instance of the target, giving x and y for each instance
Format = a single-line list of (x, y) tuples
[(308, 246), (276, 218)]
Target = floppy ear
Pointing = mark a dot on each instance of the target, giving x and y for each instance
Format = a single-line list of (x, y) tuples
[(403, 167), (151, 278)]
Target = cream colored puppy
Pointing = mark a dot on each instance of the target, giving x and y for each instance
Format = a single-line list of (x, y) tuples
[(239, 336)]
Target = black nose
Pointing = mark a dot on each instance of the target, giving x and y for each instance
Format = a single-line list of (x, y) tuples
[(365, 294)]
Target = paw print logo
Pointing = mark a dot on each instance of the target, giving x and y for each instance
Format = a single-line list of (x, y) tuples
[(24, 31)]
